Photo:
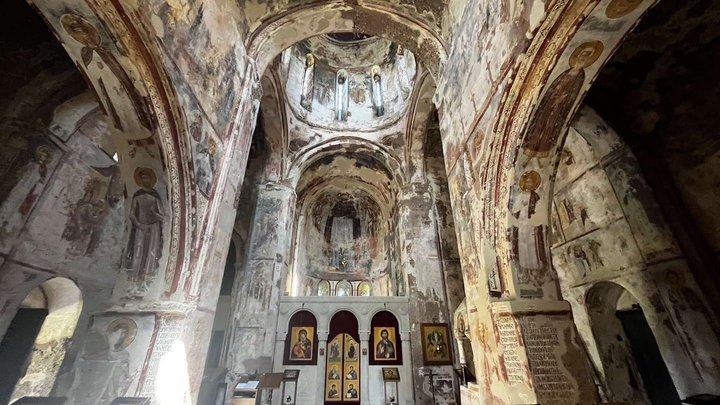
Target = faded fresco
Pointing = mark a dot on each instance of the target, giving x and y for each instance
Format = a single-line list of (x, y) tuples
[(431, 159)]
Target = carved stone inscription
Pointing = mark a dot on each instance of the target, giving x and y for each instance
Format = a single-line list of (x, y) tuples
[(542, 344), (169, 331), (510, 344)]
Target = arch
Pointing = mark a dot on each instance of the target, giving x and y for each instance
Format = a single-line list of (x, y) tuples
[(363, 289), (308, 157), (301, 342), (302, 22), (273, 107), (343, 289), (340, 309), (343, 371), (152, 118), (62, 300), (623, 378), (522, 161), (420, 114)]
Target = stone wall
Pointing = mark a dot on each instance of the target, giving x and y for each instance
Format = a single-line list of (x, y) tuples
[(62, 204), (608, 227)]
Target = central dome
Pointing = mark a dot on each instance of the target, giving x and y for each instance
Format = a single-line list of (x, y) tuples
[(311, 69)]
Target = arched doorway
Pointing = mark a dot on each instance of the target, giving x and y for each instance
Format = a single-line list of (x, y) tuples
[(631, 360), (36, 342), (342, 372)]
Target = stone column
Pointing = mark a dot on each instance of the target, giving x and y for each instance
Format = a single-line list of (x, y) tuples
[(151, 338), (278, 363), (364, 367), (421, 263), (322, 345), (544, 361), (257, 296), (406, 372)]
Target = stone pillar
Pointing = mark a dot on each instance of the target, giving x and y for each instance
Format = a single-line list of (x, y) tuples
[(322, 345), (364, 367), (257, 296), (278, 363), (543, 359), (406, 397), (421, 263)]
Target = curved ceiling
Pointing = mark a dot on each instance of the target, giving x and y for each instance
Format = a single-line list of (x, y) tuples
[(311, 88)]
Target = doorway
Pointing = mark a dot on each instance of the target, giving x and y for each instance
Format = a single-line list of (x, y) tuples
[(633, 367), (16, 348), (342, 379), (655, 375), (36, 343)]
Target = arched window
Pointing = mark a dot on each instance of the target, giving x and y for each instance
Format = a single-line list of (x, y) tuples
[(343, 289), (341, 95), (306, 98), (301, 341), (323, 288), (363, 289), (377, 96), (309, 288)]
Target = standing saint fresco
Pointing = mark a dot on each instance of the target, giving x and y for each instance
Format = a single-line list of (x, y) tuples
[(85, 33), (555, 107), (144, 246)]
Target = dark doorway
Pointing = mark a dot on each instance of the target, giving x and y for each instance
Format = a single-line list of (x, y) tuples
[(656, 378), (16, 348), (342, 379)]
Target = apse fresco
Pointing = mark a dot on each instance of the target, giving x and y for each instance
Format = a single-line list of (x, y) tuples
[(345, 239)]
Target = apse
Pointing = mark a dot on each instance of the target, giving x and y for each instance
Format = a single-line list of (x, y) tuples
[(344, 238)]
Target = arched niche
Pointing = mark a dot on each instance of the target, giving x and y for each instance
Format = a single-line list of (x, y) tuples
[(385, 342), (37, 341), (632, 365), (301, 341)]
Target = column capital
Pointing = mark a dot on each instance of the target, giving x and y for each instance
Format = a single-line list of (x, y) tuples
[(413, 189), (530, 306), (169, 308), (364, 335), (276, 186), (280, 336)]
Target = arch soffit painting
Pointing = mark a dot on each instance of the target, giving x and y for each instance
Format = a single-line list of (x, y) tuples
[(305, 159), (273, 106), (153, 111), (603, 296), (309, 196), (581, 22), (384, 20), (420, 112), (569, 26)]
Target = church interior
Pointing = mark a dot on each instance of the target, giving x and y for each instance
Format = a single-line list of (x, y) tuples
[(360, 202)]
